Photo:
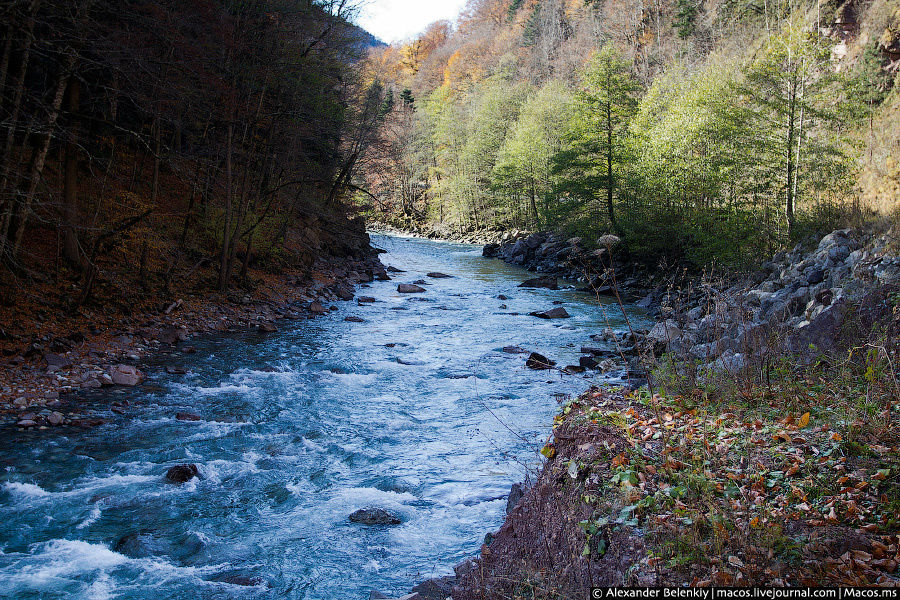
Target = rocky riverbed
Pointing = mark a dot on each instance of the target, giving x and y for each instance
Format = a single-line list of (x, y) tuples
[(39, 375)]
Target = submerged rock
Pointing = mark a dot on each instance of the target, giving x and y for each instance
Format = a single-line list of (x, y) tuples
[(186, 416), (375, 516), (437, 275), (182, 473), (514, 350), (354, 319)]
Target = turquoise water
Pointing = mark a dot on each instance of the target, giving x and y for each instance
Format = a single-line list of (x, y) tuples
[(416, 411)]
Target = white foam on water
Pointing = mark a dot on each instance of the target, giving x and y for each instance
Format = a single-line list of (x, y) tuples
[(372, 565), (361, 497), (353, 378), (216, 471), (300, 488), (311, 445), (102, 589), (225, 388), (60, 559), (96, 512), (210, 430), (29, 490)]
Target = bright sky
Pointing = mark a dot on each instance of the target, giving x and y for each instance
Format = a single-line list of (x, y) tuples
[(396, 20)]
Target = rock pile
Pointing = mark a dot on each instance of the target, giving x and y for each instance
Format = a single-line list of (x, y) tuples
[(555, 255), (798, 302)]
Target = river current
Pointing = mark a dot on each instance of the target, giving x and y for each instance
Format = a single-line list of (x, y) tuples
[(417, 411)]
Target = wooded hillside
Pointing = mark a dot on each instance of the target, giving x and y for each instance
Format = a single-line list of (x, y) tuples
[(700, 131), (172, 143)]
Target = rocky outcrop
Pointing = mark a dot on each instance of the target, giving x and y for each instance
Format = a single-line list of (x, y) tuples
[(556, 256), (800, 302)]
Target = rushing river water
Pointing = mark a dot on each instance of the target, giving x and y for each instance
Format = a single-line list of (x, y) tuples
[(417, 411)]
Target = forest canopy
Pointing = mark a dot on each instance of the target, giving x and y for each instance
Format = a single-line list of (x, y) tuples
[(153, 139), (712, 131)]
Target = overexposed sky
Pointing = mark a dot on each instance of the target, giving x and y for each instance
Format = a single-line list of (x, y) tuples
[(396, 20)]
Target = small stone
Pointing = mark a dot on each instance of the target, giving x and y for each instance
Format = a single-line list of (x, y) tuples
[(126, 375), (354, 319), (406, 288), (56, 418)]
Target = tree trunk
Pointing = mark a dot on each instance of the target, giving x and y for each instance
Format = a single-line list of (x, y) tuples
[(22, 210), (226, 233), (71, 247), (789, 203), (609, 169), (7, 191)]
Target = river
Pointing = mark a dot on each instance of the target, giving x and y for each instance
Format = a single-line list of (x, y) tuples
[(417, 411)]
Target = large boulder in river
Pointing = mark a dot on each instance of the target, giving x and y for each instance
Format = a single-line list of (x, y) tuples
[(539, 362), (126, 375), (182, 473), (375, 516), (548, 281), (554, 313), (409, 288)]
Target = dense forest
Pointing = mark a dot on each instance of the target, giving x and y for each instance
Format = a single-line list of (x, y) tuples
[(699, 131), (172, 143)]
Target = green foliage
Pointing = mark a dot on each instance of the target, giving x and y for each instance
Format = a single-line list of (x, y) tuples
[(870, 83), (407, 97), (523, 168), (718, 162), (685, 17), (596, 150)]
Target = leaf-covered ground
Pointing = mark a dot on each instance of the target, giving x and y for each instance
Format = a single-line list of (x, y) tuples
[(771, 488)]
